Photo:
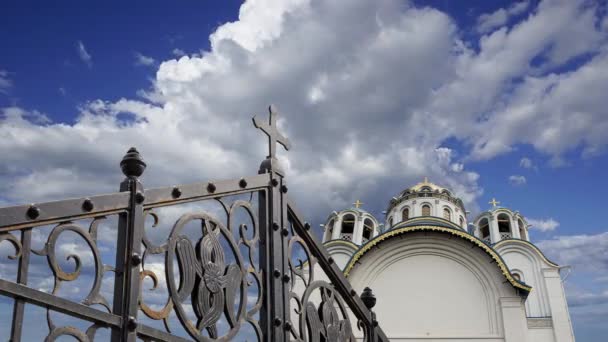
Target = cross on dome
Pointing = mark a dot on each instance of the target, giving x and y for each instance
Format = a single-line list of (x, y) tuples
[(358, 204), (270, 129), (494, 202)]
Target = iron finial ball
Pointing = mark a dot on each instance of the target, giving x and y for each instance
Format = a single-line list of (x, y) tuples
[(132, 164), (368, 298)]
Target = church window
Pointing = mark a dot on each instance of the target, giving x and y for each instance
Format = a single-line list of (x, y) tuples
[(447, 214), (348, 226), (522, 230), (484, 229), (462, 222), (405, 214), (368, 229), (517, 276), (426, 210), (390, 222), (504, 226)]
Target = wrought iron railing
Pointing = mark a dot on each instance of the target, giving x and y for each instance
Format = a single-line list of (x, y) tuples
[(212, 261)]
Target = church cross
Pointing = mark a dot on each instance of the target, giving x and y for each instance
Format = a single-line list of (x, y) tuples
[(494, 202), (358, 204), (270, 129)]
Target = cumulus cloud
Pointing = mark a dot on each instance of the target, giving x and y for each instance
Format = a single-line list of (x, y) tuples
[(489, 21), (5, 82), (517, 180), (544, 225), (584, 252), (587, 256), (526, 163), (178, 52), (84, 54), (367, 100), (144, 60)]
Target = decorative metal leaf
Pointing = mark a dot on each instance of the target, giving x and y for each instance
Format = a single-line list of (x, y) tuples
[(188, 266)]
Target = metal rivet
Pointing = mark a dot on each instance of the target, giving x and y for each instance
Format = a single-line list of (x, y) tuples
[(330, 260), (275, 226), (287, 326), (33, 212), (87, 205), (274, 182), (277, 321), (243, 183), (285, 232), (283, 188), (286, 278), (353, 292), (276, 273), (176, 193), (307, 226), (211, 187), (139, 197), (135, 259), (132, 323)]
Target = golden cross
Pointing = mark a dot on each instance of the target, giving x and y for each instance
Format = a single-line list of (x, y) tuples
[(358, 204), (494, 202), (426, 179)]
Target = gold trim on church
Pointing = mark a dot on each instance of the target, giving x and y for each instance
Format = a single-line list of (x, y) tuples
[(503, 267)]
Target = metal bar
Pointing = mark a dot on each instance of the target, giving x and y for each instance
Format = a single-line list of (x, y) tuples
[(158, 335), (334, 274), (128, 251), (19, 305), (266, 227), (16, 217), (285, 270), (58, 304), (165, 196)]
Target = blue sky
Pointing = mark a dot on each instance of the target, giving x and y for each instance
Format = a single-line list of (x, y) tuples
[(492, 99)]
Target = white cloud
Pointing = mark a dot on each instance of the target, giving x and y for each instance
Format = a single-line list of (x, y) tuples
[(84, 54), (144, 60), (544, 225), (526, 163), (5, 82), (62, 91), (178, 52), (489, 21), (517, 180), (368, 102)]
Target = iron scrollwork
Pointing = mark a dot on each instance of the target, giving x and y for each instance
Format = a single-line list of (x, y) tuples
[(210, 283), (319, 309), (60, 275)]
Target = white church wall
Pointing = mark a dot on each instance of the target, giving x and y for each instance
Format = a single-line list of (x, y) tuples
[(431, 287), (547, 299), (562, 326)]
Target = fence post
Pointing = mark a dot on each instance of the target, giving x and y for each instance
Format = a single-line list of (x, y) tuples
[(273, 219), (128, 249), (369, 299)]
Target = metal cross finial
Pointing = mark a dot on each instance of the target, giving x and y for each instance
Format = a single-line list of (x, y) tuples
[(270, 129), (358, 204), (426, 179), (494, 202)]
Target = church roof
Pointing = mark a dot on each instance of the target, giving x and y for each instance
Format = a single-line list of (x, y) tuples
[(426, 184), (520, 286)]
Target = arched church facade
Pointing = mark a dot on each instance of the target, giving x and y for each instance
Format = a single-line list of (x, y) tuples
[(437, 279)]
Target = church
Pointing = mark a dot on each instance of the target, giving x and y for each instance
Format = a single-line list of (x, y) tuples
[(438, 277)]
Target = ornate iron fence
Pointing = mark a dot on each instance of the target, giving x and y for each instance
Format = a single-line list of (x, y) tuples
[(248, 270)]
